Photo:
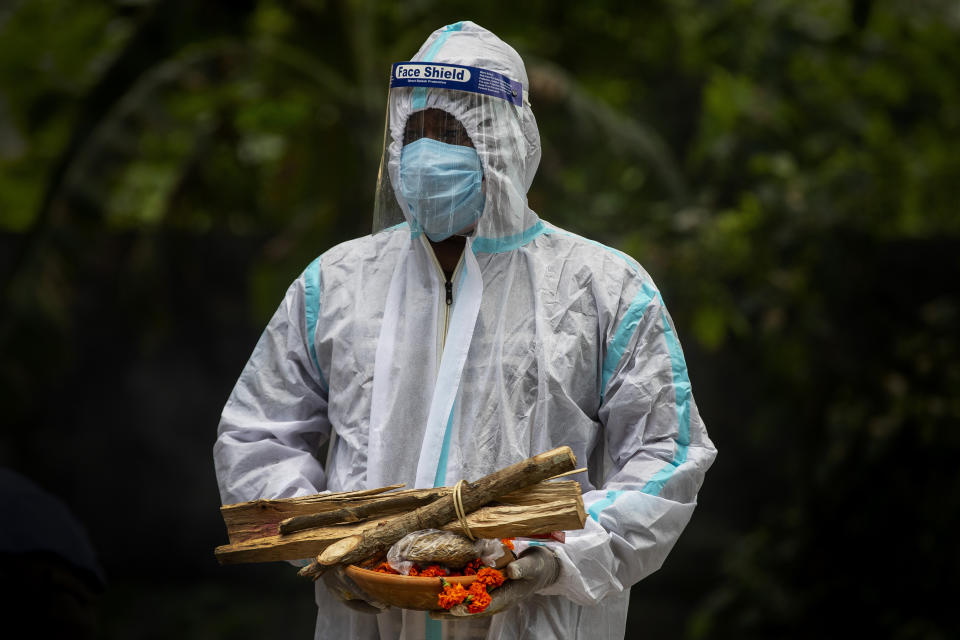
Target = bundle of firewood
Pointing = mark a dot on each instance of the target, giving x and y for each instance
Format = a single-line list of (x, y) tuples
[(345, 528)]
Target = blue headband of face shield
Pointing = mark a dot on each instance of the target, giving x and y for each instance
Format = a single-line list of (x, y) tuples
[(442, 185)]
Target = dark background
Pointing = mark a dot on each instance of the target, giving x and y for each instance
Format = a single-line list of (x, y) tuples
[(787, 171)]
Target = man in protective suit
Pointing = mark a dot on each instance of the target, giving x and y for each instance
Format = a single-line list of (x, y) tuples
[(466, 334)]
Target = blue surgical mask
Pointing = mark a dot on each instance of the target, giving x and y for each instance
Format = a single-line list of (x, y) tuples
[(442, 186)]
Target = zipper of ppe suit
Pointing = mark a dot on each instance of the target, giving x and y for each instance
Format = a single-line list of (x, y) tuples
[(448, 284), (447, 300)]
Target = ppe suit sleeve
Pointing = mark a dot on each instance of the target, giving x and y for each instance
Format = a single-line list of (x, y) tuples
[(276, 417), (658, 451)]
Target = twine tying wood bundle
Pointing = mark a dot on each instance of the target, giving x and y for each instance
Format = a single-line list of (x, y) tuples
[(461, 514)]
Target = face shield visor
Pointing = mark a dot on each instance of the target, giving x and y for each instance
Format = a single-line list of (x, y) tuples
[(453, 153)]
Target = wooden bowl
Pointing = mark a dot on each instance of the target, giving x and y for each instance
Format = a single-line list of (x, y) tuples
[(405, 592)]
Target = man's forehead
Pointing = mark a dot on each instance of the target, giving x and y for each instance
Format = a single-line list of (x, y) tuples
[(432, 115)]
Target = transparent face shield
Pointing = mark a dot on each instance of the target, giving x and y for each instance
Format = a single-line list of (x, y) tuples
[(454, 153)]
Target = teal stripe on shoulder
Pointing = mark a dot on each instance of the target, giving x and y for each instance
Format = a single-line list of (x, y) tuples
[(624, 332), (509, 243), (311, 280)]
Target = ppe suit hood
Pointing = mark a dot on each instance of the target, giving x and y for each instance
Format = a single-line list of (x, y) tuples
[(505, 135)]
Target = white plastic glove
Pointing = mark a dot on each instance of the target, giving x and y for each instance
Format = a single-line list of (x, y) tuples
[(346, 591), (536, 569)]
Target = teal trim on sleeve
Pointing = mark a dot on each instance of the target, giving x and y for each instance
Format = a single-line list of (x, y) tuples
[(600, 505), (509, 243), (655, 485), (681, 385), (678, 367), (420, 93), (621, 338), (311, 285)]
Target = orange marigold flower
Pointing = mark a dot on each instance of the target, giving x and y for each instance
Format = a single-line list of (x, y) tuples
[(472, 567), (433, 571), (384, 567), (414, 570), (507, 542), (479, 601), (489, 577), (452, 595)]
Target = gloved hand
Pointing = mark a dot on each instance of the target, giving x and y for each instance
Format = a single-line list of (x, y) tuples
[(536, 569), (346, 591)]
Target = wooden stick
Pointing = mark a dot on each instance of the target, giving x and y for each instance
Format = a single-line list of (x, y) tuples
[(314, 570), (440, 512), (568, 473), (358, 512)]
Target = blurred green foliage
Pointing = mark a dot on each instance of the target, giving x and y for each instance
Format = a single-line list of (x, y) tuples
[(786, 170)]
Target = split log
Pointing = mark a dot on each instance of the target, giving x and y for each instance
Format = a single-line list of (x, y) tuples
[(257, 518), (518, 522), (359, 512), (442, 511)]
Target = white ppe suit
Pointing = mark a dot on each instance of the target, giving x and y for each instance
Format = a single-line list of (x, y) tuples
[(549, 340)]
